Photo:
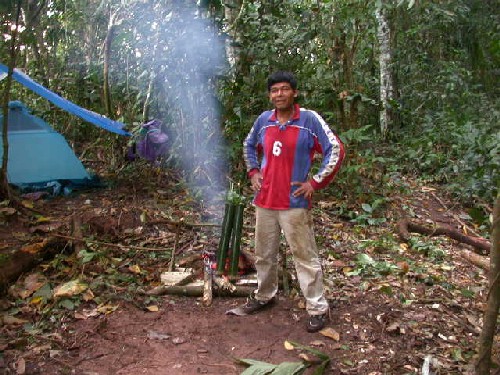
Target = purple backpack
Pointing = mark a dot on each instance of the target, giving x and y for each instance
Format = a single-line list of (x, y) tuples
[(151, 144)]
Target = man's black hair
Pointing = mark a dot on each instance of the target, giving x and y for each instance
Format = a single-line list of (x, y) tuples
[(278, 77)]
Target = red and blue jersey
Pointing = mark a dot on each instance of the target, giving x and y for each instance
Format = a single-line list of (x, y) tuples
[(287, 155)]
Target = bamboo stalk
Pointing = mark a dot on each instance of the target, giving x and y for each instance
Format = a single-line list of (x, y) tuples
[(236, 243), (227, 228)]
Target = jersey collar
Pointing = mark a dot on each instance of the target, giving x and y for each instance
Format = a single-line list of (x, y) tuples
[(296, 115)]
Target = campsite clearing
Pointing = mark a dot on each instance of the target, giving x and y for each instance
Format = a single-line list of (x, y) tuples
[(395, 306)]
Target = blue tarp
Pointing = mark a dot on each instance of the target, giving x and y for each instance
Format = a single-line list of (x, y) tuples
[(85, 114)]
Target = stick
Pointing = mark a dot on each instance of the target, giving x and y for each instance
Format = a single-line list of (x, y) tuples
[(176, 242), (197, 291), (207, 287), (111, 244), (406, 226)]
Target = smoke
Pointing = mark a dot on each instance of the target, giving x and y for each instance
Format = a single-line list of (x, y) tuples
[(185, 55)]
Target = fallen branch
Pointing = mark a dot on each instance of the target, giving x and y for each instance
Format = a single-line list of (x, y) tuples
[(476, 259), (197, 291), (188, 224), (14, 265), (405, 226), (120, 246)]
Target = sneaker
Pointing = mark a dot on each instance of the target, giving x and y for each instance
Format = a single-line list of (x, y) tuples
[(316, 323), (253, 305)]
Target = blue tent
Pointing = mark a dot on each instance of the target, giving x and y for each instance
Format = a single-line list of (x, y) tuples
[(37, 153)]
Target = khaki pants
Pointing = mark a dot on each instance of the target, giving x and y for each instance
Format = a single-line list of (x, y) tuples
[(296, 224)]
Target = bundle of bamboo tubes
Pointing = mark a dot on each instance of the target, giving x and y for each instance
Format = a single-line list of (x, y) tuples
[(228, 251)]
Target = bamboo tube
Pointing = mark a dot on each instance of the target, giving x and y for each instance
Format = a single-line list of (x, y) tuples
[(227, 227), (236, 243)]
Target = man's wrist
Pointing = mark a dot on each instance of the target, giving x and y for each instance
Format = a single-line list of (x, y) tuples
[(252, 172)]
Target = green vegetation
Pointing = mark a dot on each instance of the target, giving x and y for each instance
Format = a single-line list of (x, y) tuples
[(445, 107)]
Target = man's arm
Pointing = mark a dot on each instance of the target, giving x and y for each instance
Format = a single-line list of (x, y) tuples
[(250, 150), (330, 145)]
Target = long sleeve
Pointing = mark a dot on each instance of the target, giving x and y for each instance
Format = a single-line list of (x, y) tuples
[(332, 149)]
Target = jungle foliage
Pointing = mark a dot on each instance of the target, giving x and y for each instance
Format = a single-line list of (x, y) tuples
[(201, 70)]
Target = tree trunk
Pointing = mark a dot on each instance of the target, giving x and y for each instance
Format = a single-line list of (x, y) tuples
[(107, 55), (483, 363), (5, 192), (385, 61), (232, 10)]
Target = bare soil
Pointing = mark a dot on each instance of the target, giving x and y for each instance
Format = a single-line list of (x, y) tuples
[(388, 322)]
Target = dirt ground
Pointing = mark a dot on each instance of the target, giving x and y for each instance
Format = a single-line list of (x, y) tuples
[(421, 312)]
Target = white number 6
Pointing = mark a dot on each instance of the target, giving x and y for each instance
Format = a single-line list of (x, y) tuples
[(277, 148)]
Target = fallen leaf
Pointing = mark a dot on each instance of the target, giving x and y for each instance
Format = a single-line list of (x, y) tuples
[(54, 353), (8, 211), (41, 348), (135, 269), (158, 335), (69, 289), (32, 283), (50, 227), (106, 308), (403, 266), (288, 345), (21, 366), (12, 320), (305, 357), (88, 295), (153, 308), (178, 340), (317, 343), (394, 326), (337, 263), (331, 333), (43, 219), (36, 300), (33, 248)]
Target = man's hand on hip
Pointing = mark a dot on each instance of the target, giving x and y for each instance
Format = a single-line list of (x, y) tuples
[(305, 189)]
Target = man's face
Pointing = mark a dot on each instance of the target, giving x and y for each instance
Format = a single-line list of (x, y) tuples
[(282, 95)]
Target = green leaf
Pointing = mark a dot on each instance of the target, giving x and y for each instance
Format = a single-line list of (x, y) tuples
[(467, 293), (456, 354), (290, 368), (86, 256), (320, 370), (366, 207), (67, 304), (44, 292), (364, 260), (257, 367), (316, 352)]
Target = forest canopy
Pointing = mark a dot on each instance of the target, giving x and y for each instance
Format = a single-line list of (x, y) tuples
[(410, 86)]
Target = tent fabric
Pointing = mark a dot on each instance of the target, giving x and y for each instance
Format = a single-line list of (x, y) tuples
[(37, 153), (85, 114)]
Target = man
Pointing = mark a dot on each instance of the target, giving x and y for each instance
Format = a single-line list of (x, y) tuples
[(288, 137)]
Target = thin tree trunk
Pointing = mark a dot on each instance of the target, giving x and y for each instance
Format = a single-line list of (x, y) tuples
[(5, 192), (107, 55), (483, 364), (232, 12), (385, 61), (152, 78)]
